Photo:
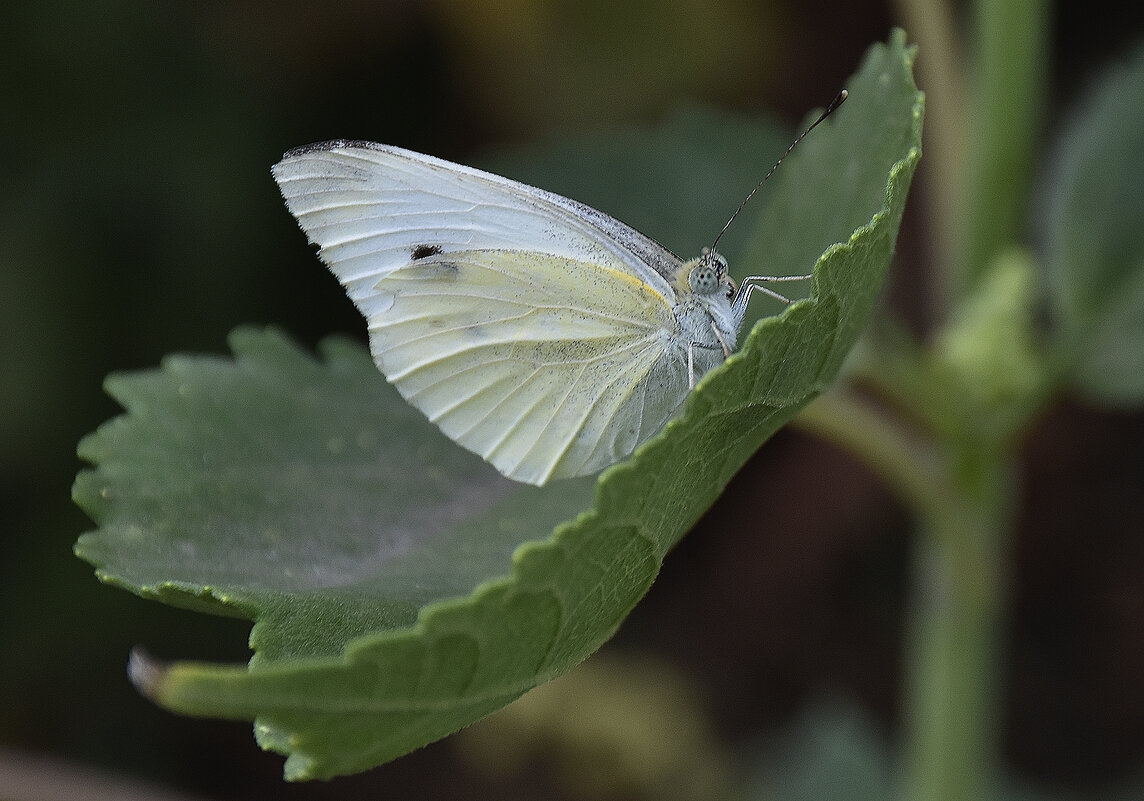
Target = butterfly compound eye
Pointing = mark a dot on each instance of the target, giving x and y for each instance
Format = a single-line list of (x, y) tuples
[(707, 274), (703, 279)]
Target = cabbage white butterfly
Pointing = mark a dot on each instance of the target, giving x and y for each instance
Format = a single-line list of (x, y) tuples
[(535, 331)]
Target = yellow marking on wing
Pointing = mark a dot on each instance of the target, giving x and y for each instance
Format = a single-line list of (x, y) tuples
[(637, 283)]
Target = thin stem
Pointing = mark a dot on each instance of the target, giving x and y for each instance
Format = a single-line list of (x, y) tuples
[(1008, 94), (954, 640)]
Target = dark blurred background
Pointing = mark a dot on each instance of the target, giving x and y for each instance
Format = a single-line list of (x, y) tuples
[(138, 218)]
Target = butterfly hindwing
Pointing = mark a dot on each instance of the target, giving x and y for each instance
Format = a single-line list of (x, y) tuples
[(493, 346)]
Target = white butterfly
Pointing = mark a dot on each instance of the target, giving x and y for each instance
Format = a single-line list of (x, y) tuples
[(537, 332)]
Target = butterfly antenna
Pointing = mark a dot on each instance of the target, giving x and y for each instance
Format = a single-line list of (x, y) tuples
[(834, 104)]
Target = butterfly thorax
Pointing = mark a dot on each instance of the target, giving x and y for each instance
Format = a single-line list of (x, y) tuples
[(703, 309)]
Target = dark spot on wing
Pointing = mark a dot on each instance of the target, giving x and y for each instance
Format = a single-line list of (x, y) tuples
[(424, 251)]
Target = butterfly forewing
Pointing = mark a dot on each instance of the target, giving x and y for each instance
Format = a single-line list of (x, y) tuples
[(369, 207)]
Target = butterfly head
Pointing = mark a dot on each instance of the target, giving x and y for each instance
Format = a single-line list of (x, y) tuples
[(707, 276)]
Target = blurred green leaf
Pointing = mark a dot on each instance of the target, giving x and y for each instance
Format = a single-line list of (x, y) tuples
[(400, 588), (1095, 251), (832, 751), (988, 362)]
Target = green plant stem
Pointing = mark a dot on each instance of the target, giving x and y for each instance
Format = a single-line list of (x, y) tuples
[(954, 634), (1007, 95)]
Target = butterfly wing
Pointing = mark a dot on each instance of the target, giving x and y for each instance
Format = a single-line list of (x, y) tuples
[(494, 348), (533, 330), (369, 207)]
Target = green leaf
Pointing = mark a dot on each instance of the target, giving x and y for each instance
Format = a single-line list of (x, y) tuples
[(400, 588), (257, 485), (1094, 249)]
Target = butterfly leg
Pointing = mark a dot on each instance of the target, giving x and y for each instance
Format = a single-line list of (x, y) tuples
[(690, 366), (754, 283), (723, 342)]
